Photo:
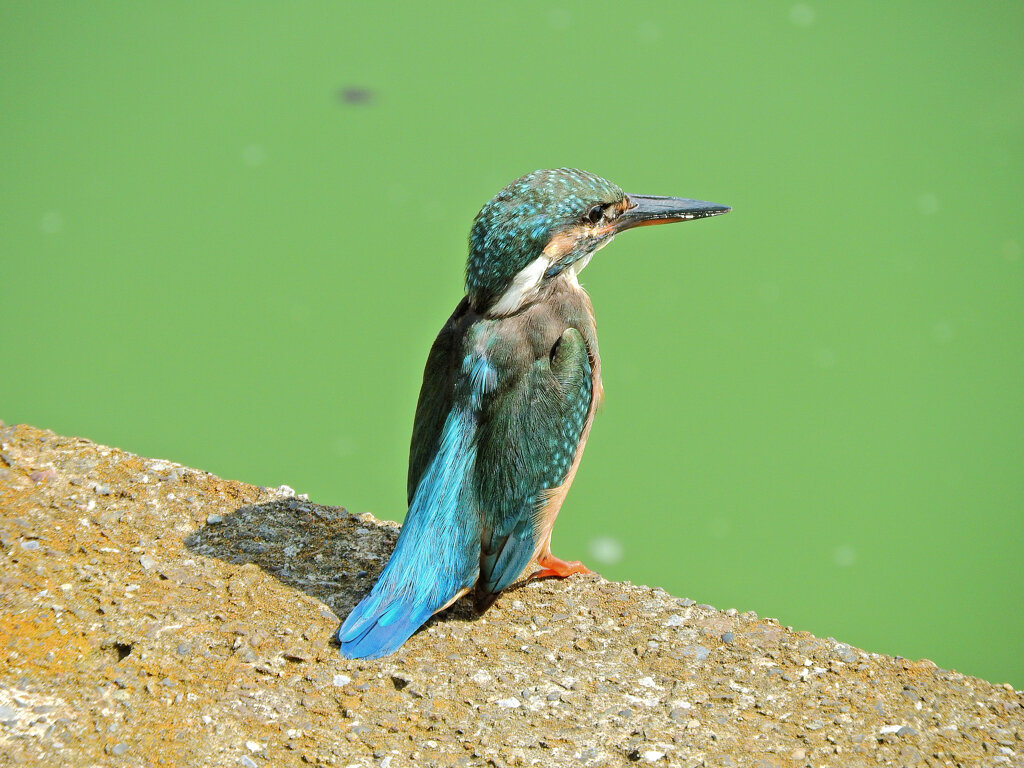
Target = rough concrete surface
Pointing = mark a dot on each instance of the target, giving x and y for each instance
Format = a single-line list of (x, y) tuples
[(153, 614)]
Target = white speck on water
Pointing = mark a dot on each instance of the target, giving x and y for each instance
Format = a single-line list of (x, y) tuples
[(606, 550), (559, 18), (340, 680), (1011, 250), (51, 223), (825, 357), (928, 204), (509, 703), (254, 155), (719, 527), (399, 194), (802, 15), (769, 292), (432, 209), (942, 332), (844, 555), (648, 31)]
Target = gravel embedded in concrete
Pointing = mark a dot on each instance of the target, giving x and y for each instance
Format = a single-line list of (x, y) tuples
[(181, 619)]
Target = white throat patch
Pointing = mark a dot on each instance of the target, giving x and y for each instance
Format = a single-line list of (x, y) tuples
[(522, 288), (526, 283)]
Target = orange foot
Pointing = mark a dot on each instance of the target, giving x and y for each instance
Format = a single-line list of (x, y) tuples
[(553, 566)]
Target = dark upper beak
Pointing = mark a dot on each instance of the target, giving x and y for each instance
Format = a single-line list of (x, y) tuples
[(654, 209)]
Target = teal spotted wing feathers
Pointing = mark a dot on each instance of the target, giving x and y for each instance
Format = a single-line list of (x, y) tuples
[(526, 446)]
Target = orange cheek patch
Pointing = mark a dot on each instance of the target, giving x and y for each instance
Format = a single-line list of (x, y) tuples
[(560, 245)]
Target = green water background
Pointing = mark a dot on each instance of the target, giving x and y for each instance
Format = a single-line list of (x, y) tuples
[(230, 231)]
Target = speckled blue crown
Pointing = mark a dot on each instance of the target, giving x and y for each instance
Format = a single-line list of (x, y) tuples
[(513, 227)]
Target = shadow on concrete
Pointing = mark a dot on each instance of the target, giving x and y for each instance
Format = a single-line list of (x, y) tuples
[(326, 552)]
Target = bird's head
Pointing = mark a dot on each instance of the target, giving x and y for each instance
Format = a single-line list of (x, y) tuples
[(547, 224)]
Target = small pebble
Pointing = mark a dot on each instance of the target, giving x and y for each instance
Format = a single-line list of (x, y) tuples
[(509, 703), (247, 761), (119, 749), (30, 545), (214, 519), (340, 680), (728, 637), (147, 562)]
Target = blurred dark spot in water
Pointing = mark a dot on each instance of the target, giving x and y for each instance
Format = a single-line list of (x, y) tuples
[(355, 95)]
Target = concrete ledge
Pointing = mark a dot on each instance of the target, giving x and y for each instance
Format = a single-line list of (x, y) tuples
[(153, 614)]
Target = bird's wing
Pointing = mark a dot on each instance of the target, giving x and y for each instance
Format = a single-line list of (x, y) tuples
[(436, 557), (526, 443), (436, 396)]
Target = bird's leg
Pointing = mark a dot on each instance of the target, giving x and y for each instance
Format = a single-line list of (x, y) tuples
[(553, 566)]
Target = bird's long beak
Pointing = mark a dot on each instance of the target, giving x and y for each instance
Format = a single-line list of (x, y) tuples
[(654, 209)]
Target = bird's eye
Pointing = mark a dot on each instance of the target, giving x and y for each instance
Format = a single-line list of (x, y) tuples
[(595, 214)]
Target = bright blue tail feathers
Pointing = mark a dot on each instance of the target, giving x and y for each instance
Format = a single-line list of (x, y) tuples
[(369, 634), (437, 555)]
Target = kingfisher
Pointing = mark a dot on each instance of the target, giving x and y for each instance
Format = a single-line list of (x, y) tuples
[(509, 393)]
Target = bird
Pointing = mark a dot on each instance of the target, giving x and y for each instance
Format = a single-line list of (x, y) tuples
[(509, 392)]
